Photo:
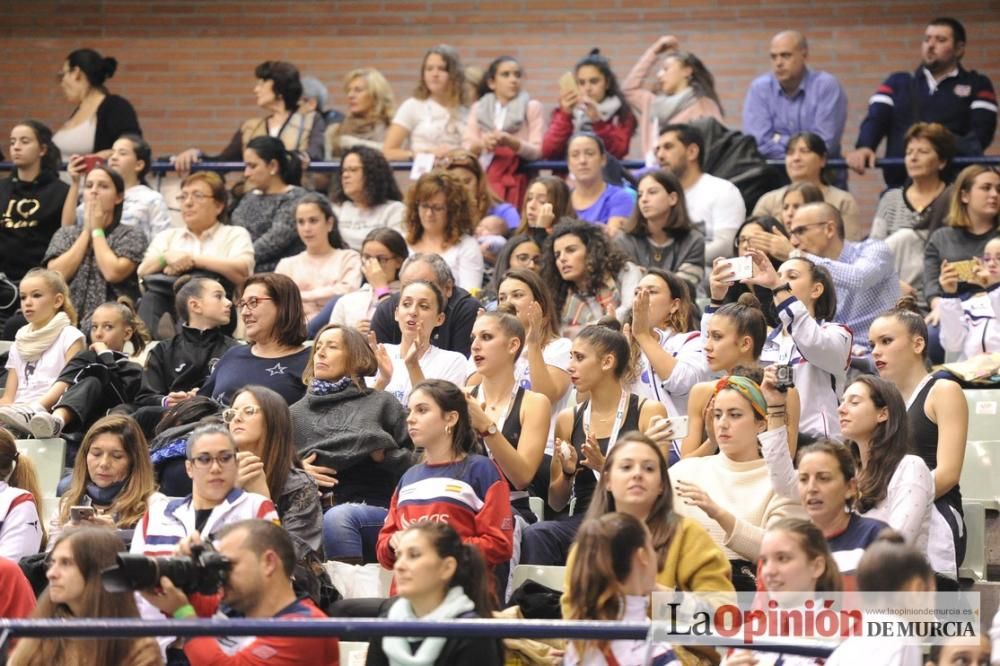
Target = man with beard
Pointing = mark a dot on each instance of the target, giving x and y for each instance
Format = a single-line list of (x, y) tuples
[(939, 91)]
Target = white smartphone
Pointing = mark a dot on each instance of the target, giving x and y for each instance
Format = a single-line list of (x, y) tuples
[(742, 268), (679, 426)]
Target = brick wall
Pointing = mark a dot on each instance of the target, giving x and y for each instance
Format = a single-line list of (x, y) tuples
[(187, 65)]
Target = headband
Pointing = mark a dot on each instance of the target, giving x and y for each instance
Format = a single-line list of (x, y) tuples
[(747, 388)]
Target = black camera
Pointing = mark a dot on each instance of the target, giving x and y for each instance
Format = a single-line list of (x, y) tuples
[(203, 573), (784, 378)]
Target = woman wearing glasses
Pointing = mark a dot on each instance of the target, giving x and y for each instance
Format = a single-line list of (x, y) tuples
[(439, 220), (203, 245), (215, 501), (271, 310), (268, 464)]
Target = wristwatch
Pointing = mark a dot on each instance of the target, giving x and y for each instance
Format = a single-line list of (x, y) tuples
[(782, 287), (492, 430)]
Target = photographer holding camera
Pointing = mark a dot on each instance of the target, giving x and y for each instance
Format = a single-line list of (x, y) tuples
[(258, 584)]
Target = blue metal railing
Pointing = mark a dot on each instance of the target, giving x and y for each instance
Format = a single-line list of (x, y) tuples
[(163, 166), (363, 629)]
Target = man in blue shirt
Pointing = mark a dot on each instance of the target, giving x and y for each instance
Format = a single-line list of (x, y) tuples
[(863, 273), (792, 98), (939, 91)]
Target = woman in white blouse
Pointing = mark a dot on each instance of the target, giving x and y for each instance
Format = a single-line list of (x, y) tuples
[(894, 486), (439, 220), (433, 119)]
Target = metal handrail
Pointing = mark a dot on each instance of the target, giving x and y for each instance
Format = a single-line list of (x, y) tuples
[(165, 166), (365, 628)]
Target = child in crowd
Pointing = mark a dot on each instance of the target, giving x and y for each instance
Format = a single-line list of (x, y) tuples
[(969, 327), (41, 350), (98, 378), (327, 267)]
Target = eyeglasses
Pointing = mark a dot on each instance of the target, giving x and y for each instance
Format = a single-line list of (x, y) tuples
[(204, 460), (247, 411), (431, 208), (252, 302), (197, 197), (990, 258), (800, 231), (380, 259), (527, 258), (743, 240)]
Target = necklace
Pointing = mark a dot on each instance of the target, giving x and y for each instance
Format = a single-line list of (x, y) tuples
[(657, 251)]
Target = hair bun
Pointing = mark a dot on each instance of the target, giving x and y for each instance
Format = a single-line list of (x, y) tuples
[(109, 66), (609, 322), (908, 303), (595, 51), (749, 300)]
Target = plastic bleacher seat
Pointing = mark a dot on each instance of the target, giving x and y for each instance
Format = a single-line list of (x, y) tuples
[(5, 346), (984, 414), (47, 455), (553, 577), (537, 505), (974, 565), (979, 481), (353, 653)]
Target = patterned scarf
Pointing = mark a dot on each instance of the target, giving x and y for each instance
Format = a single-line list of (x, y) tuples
[(323, 387), (748, 389), (581, 309)]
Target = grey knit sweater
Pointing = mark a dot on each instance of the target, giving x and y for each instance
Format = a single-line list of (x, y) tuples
[(270, 219), (344, 429)]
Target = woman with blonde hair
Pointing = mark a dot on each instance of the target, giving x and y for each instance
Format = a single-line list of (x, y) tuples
[(433, 119), (973, 220), (112, 474), (370, 107), (21, 532), (439, 220)]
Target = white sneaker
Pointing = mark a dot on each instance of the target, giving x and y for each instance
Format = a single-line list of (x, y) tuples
[(44, 425), (16, 419)]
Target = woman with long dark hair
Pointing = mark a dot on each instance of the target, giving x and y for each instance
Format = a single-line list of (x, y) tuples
[(439, 423), (31, 201), (267, 210), (595, 104), (439, 576), (686, 90), (326, 268), (589, 275), (612, 578), (660, 234)]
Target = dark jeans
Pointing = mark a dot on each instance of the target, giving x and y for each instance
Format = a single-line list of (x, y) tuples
[(547, 543)]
